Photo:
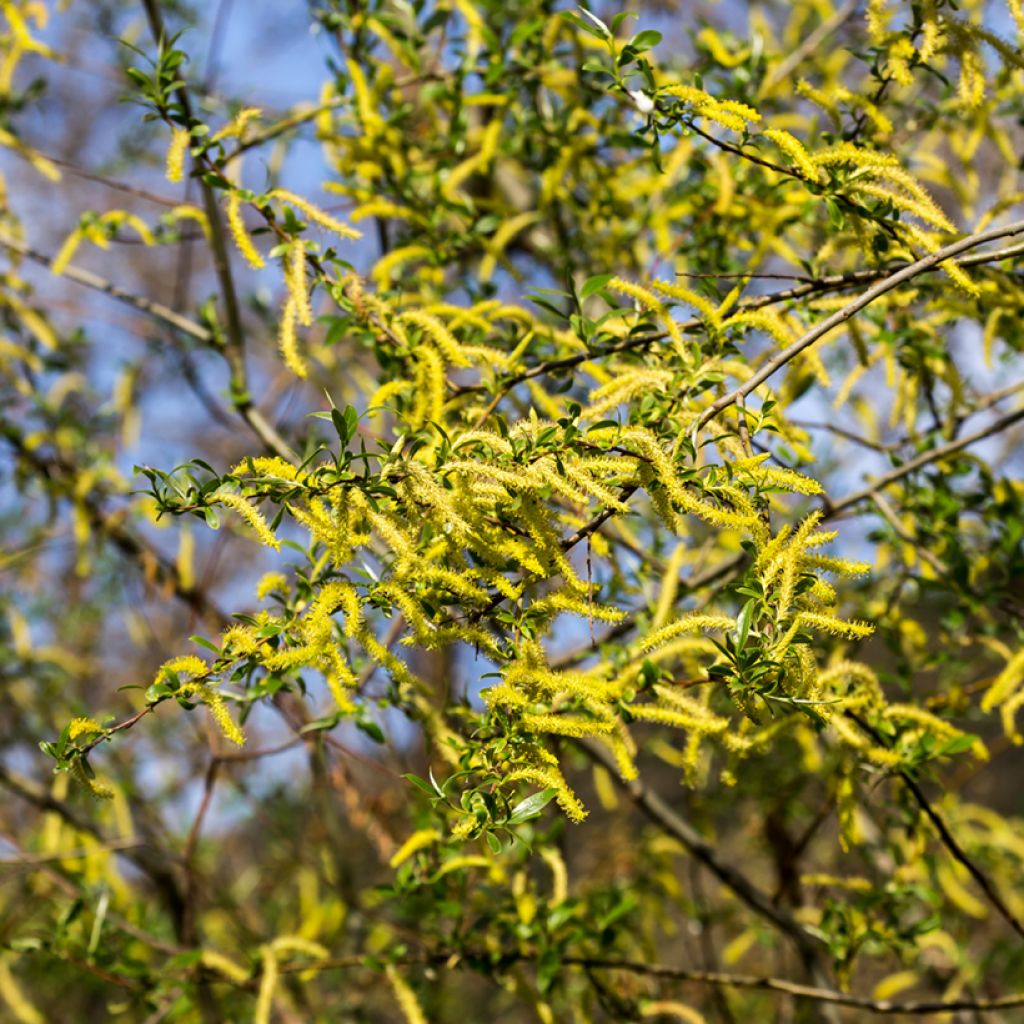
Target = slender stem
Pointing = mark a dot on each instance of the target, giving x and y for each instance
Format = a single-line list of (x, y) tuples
[(946, 836), (840, 317), (809, 946), (156, 310), (234, 349), (934, 455)]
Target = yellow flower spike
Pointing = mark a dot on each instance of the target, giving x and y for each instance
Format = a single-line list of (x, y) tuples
[(218, 709), (270, 583), (287, 340), (499, 241), (1017, 13), (654, 305), (837, 627), (186, 663), (694, 623), (238, 232), (384, 269), (794, 149), (83, 727), (550, 777), (419, 840), (268, 985), (405, 997), (298, 289), (224, 966), (706, 309), (878, 19), (315, 214), (66, 252), (175, 167), (672, 1008), (100, 790), (1006, 683), (251, 515), (434, 329), (564, 725), (235, 128), (777, 476)]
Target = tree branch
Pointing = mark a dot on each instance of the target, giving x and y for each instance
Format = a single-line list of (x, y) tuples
[(934, 455), (884, 286)]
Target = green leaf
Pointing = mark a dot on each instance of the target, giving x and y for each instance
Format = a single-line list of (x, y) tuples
[(420, 784), (643, 41), (531, 806), (372, 729), (743, 624), (594, 284)]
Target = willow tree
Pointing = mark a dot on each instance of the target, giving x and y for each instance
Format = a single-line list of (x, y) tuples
[(614, 610)]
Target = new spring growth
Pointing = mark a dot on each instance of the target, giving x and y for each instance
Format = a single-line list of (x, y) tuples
[(239, 232), (175, 169), (251, 515)]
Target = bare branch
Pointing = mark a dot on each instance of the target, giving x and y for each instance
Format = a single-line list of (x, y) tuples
[(884, 286)]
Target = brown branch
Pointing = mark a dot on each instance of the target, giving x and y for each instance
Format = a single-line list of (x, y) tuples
[(154, 565), (821, 995), (234, 348), (488, 961), (934, 455), (156, 310), (809, 946), (151, 862), (809, 46), (884, 286), (949, 841)]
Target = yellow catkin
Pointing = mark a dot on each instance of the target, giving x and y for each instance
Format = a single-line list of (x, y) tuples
[(268, 984), (405, 997), (235, 128), (653, 304), (83, 726), (175, 166), (705, 309), (877, 19), (315, 214), (98, 789), (384, 269), (419, 840), (66, 252), (22, 1010), (794, 149), (443, 338), (1006, 684), (237, 227), (497, 244), (224, 966), (218, 710), (671, 1008), (251, 515), (287, 340), (295, 279), (1017, 13), (696, 623)]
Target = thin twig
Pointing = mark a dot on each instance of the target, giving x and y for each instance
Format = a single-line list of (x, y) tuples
[(934, 455), (809, 946), (946, 836), (234, 348), (156, 310), (810, 45), (884, 286)]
